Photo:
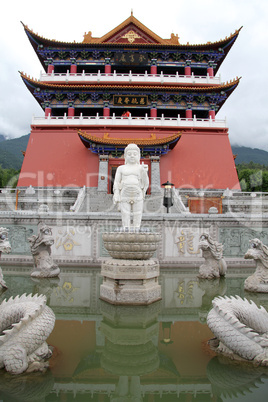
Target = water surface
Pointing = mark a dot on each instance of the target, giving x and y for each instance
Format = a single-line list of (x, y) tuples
[(143, 353)]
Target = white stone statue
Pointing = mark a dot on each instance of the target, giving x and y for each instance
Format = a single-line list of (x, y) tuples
[(25, 324), (258, 281), (4, 248), (240, 328), (214, 265), (130, 186), (44, 266)]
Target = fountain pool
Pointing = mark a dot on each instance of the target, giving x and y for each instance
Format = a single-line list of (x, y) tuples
[(149, 353)]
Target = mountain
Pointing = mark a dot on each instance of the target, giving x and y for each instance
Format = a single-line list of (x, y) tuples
[(11, 155), (246, 155)]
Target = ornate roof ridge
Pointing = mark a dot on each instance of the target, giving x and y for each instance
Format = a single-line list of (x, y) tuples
[(173, 41), (124, 141), (214, 87), (128, 21), (226, 39)]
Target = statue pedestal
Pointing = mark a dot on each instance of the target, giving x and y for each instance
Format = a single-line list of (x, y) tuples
[(132, 281)]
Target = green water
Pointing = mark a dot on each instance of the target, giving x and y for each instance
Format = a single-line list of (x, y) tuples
[(132, 354)]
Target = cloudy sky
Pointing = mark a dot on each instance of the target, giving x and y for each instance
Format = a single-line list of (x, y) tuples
[(195, 21)]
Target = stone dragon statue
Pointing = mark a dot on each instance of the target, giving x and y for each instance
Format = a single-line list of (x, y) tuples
[(215, 265), (44, 266), (241, 329), (258, 282), (4, 248), (25, 324)]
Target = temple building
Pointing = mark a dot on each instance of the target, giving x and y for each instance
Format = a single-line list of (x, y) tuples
[(129, 86)]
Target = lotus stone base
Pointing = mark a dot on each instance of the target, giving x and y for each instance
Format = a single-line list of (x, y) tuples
[(130, 277), (131, 246)]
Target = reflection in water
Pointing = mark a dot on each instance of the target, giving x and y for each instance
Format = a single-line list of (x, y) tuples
[(45, 286), (122, 353), (131, 335), (230, 379), (26, 387), (130, 350), (210, 288)]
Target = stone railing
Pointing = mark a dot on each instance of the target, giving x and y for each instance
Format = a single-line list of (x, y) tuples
[(129, 78), (129, 121), (85, 200), (36, 198)]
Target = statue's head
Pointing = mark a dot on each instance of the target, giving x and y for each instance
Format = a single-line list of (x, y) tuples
[(132, 154)]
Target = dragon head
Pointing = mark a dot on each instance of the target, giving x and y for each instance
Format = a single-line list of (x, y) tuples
[(257, 251), (206, 243), (43, 238)]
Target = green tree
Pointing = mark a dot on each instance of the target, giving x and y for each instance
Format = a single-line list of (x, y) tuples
[(8, 177), (253, 176)]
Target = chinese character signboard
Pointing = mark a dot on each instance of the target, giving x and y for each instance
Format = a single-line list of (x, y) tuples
[(130, 100), (131, 58)]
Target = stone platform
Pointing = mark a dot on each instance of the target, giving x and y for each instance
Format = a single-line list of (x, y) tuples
[(132, 281)]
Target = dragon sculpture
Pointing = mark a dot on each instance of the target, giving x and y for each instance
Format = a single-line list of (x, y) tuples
[(4, 248), (215, 265), (25, 324), (241, 329), (44, 266), (258, 282)]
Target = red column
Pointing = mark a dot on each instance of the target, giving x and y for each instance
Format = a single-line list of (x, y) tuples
[(73, 69), (211, 114), (70, 111), (153, 112), (189, 114), (106, 111), (187, 70), (153, 70), (107, 69), (47, 111), (50, 69), (210, 71)]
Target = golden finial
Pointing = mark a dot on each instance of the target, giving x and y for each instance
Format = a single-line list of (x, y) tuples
[(132, 12)]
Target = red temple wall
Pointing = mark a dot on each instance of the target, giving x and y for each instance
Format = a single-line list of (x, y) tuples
[(58, 158), (201, 160)]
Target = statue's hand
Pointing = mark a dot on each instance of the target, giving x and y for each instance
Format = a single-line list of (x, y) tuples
[(116, 197)]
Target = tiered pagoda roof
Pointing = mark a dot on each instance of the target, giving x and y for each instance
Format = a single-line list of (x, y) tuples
[(129, 34), (130, 85), (150, 145), (41, 90)]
